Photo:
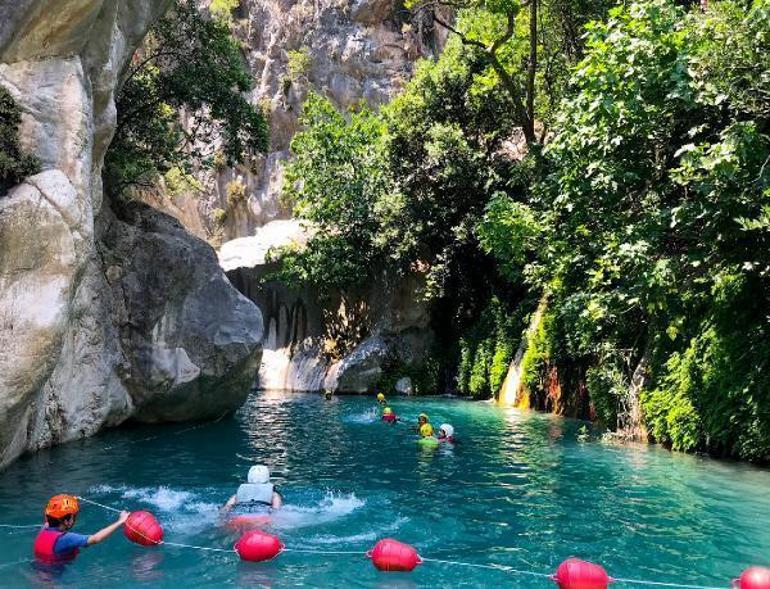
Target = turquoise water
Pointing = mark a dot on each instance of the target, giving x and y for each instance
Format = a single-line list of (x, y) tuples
[(519, 490)]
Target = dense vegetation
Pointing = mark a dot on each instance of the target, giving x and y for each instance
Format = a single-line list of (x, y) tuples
[(612, 160), (15, 164), (183, 104)]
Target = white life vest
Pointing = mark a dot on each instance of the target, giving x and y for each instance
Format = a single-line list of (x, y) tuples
[(255, 493)]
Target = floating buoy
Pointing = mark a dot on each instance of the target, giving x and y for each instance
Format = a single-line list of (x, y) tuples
[(574, 573), (142, 528), (392, 555), (754, 578), (257, 546)]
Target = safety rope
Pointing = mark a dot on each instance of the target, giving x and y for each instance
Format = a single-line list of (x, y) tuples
[(303, 551), (662, 584), (168, 434), (107, 507), (19, 527), (496, 567)]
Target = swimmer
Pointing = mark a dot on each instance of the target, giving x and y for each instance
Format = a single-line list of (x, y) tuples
[(423, 427), (55, 543), (446, 433), (381, 399), (328, 395), (388, 416), (257, 492)]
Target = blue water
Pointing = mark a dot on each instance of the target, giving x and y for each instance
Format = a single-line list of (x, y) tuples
[(519, 490)]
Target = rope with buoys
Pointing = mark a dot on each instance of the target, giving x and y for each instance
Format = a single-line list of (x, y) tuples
[(389, 555), (165, 435)]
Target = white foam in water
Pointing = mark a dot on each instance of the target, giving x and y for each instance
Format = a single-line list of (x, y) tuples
[(163, 498), (371, 536), (333, 506), (178, 509), (368, 416)]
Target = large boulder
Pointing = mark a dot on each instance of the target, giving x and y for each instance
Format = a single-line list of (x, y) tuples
[(101, 318)]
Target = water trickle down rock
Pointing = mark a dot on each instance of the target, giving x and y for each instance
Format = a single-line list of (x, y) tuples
[(341, 343)]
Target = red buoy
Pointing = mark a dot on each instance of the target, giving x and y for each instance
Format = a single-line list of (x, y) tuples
[(256, 546), (574, 573), (392, 555), (753, 578), (142, 528)]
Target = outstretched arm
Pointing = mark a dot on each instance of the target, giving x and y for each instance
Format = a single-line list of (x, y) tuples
[(229, 505), (105, 533)]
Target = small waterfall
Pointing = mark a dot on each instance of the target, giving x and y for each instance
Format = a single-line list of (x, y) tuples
[(512, 393)]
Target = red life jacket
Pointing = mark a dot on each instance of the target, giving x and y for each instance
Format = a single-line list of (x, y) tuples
[(44, 547), (389, 418)]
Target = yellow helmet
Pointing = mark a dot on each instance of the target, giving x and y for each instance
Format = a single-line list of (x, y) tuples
[(423, 416), (426, 430), (380, 397)]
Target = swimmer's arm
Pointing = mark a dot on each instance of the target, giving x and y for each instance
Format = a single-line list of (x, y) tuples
[(105, 533), (229, 505), (277, 502)]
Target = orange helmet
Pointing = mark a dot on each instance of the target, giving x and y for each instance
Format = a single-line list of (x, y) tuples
[(61, 506)]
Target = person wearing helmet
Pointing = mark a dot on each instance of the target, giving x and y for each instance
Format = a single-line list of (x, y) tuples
[(381, 399), (424, 428), (446, 433), (55, 543), (257, 492), (388, 416)]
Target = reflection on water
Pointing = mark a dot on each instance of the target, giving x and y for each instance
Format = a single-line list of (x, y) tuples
[(517, 490)]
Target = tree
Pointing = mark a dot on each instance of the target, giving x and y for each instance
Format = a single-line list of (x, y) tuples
[(183, 93)]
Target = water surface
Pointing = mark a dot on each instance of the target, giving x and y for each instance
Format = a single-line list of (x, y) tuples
[(519, 490)]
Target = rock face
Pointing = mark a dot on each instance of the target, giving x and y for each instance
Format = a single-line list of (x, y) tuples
[(342, 343), (349, 50), (101, 317)]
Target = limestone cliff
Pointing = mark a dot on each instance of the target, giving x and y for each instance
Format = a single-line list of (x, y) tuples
[(103, 315), (349, 50)]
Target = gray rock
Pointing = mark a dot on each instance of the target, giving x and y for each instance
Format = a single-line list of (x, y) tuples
[(101, 318), (404, 386)]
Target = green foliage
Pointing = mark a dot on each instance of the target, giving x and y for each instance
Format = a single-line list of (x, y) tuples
[(424, 376), (487, 349), (509, 231), (15, 165), (339, 183), (193, 65), (299, 62), (223, 9), (656, 201)]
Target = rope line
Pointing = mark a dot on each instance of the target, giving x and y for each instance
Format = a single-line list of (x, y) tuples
[(19, 527), (178, 545), (167, 434), (23, 561), (303, 551), (107, 507), (497, 567), (663, 584)]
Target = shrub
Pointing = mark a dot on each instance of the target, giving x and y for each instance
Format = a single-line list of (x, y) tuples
[(15, 165), (236, 192), (299, 62)]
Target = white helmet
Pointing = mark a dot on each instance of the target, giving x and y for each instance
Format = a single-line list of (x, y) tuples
[(449, 431), (259, 474)]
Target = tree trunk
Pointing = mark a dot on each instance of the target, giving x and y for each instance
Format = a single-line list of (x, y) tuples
[(529, 132)]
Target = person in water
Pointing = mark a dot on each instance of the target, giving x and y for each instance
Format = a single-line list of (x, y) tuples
[(381, 399), (446, 433), (257, 492), (56, 543), (424, 428), (388, 416)]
